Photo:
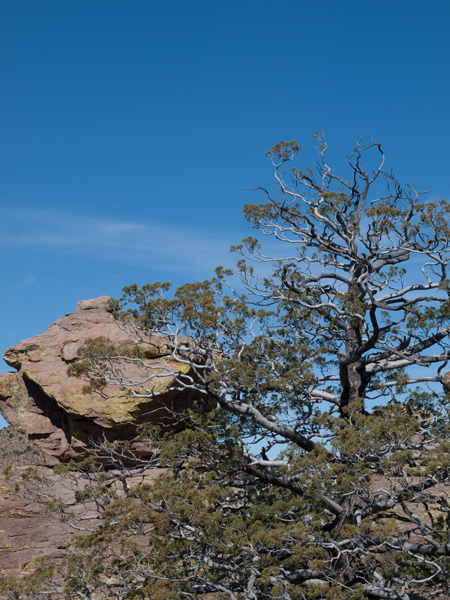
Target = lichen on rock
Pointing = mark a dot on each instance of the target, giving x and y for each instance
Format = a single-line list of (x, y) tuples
[(60, 417)]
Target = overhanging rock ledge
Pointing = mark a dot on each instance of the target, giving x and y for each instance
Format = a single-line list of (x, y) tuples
[(41, 400)]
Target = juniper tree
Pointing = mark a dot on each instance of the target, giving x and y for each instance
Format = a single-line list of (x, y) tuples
[(316, 463)]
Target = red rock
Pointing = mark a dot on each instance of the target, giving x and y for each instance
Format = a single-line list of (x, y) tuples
[(29, 532), (42, 401)]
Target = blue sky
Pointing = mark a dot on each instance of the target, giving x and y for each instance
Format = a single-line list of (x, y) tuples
[(129, 130)]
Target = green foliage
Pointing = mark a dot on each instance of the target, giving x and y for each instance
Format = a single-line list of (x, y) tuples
[(286, 481)]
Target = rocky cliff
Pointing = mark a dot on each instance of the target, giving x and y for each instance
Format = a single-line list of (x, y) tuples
[(53, 421), (28, 531)]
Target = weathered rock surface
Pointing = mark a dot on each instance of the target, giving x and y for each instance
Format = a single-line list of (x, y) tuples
[(41, 400), (29, 532)]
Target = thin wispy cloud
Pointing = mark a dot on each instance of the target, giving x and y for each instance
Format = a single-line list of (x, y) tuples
[(128, 242), (24, 281), (161, 247), (29, 279)]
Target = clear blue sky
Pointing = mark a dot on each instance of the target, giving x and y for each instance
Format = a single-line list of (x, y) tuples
[(129, 130)]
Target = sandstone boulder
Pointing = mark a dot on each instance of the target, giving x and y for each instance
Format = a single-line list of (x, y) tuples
[(41, 400)]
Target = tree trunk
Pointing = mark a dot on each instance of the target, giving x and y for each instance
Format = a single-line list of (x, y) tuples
[(353, 376)]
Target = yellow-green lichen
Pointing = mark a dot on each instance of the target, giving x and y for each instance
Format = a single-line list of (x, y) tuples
[(12, 388), (175, 366), (76, 402), (117, 404), (149, 351), (15, 358)]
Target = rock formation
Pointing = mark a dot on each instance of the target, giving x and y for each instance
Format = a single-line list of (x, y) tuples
[(28, 531), (42, 401)]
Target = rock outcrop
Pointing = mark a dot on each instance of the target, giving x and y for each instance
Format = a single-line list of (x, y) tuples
[(42, 401), (28, 531)]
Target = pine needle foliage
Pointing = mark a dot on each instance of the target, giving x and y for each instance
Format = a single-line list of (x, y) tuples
[(315, 464)]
